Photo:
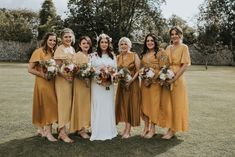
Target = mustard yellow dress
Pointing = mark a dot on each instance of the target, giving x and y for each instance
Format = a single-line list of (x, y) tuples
[(174, 104), (150, 104), (63, 87), (44, 98), (81, 106), (128, 100)]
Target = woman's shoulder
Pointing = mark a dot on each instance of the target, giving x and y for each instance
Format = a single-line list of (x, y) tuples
[(184, 45), (38, 51), (60, 47), (36, 55), (169, 47)]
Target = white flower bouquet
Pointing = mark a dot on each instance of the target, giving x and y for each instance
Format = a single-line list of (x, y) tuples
[(166, 74), (147, 75), (50, 68)]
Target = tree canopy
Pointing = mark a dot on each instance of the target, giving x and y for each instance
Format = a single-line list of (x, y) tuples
[(117, 18), (18, 25)]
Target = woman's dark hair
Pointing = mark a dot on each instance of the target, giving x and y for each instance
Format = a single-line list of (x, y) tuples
[(109, 50), (88, 39), (156, 48), (44, 41)]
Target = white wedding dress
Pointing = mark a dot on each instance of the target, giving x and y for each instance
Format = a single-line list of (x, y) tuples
[(103, 123)]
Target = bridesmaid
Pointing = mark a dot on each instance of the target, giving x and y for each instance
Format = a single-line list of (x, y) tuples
[(44, 99), (150, 94), (175, 101), (63, 83), (128, 97), (81, 107)]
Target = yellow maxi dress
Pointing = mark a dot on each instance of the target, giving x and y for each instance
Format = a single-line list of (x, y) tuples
[(150, 104), (63, 87), (174, 103), (128, 100), (44, 97), (81, 106)]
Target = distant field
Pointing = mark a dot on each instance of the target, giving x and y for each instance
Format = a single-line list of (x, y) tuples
[(212, 121)]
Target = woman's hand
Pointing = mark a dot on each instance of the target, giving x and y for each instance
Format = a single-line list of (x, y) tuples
[(69, 78), (129, 83), (170, 81)]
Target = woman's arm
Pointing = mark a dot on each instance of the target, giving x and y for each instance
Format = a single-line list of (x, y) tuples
[(32, 69), (137, 66), (179, 72)]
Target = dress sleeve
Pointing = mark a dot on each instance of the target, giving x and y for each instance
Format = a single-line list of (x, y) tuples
[(185, 59), (59, 54), (36, 57)]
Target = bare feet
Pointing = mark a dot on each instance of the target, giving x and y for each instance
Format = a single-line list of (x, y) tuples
[(145, 132), (83, 134), (40, 132), (170, 134), (123, 132), (51, 138), (126, 135), (64, 137), (150, 134)]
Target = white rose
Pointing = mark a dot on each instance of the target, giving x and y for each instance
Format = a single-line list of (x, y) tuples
[(162, 76), (51, 69), (170, 74), (71, 67), (150, 74), (128, 78)]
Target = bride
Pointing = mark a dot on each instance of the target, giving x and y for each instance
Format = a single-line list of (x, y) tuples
[(103, 124)]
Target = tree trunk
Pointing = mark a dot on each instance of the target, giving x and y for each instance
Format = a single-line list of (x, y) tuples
[(206, 62)]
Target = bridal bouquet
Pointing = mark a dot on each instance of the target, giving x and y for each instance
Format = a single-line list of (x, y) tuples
[(104, 76), (147, 74), (68, 68), (50, 68), (164, 75), (85, 72), (123, 76)]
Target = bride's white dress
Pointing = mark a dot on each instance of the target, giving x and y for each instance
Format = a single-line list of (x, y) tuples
[(103, 123)]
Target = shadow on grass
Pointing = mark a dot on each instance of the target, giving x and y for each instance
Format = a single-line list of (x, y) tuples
[(135, 146)]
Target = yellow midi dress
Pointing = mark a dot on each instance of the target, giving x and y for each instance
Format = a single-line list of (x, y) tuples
[(81, 105), (174, 103), (63, 87), (128, 100), (150, 96), (44, 97)]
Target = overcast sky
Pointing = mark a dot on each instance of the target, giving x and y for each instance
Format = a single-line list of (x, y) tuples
[(186, 9)]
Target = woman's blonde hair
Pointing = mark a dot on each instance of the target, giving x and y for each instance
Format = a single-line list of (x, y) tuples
[(68, 30), (125, 40)]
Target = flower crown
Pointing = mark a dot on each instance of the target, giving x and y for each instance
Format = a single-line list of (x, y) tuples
[(104, 36)]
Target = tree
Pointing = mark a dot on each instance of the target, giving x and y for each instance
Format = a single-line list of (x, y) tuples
[(216, 26), (117, 18), (49, 21), (18, 25), (189, 33)]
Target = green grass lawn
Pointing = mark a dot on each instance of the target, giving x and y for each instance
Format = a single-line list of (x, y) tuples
[(212, 121)]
